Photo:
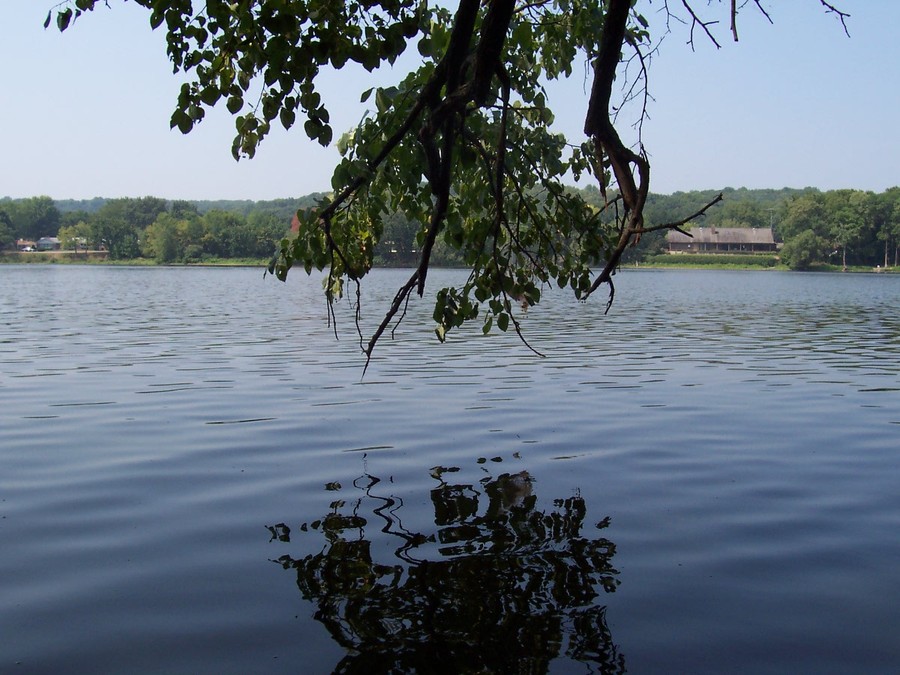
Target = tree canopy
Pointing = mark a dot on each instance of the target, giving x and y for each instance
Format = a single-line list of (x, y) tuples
[(461, 146)]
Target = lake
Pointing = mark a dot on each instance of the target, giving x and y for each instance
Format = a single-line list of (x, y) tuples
[(196, 477)]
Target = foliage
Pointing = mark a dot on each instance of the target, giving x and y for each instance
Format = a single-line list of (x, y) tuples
[(86, 205), (461, 147), (792, 212), (154, 228), (846, 222), (117, 225), (802, 251), (32, 218), (885, 214), (760, 260), (75, 236), (160, 240), (7, 235)]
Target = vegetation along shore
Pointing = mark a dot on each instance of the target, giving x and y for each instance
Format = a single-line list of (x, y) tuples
[(810, 230)]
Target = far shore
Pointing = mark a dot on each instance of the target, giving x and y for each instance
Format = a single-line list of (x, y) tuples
[(102, 258)]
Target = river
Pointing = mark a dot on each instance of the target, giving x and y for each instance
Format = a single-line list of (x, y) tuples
[(195, 476)]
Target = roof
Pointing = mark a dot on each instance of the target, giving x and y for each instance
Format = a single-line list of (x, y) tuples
[(723, 235)]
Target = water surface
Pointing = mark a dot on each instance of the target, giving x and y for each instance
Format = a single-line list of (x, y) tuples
[(194, 477)]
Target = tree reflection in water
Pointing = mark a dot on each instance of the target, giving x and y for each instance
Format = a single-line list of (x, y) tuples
[(497, 587)]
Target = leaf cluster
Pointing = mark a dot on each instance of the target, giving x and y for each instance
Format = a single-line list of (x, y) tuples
[(261, 58)]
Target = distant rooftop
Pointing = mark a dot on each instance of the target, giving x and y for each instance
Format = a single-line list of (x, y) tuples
[(723, 235)]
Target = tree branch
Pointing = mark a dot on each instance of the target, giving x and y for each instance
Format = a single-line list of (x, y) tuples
[(684, 221), (696, 21)]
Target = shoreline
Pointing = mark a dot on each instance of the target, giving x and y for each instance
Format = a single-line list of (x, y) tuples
[(101, 258)]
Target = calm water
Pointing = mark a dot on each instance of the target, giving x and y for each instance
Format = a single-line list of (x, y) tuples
[(195, 478)]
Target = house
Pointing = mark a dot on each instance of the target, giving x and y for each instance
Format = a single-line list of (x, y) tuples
[(722, 240), (49, 244), (25, 245)]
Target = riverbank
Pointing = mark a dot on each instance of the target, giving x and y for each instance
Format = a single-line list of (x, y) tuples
[(655, 262), (30, 257), (858, 269), (102, 258), (749, 262)]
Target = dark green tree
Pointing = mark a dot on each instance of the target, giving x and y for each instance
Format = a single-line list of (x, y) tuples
[(266, 229), (183, 210), (225, 234), (114, 228), (804, 250), (142, 211), (7, 235), (35, 217), (160, 240), (70, 218), (740, 213), (848, 219), (804, 212), (886, 218)]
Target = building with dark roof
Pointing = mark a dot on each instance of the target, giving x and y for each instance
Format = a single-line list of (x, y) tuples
[(722, 240)]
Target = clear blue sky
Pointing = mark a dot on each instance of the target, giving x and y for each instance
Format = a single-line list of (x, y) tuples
[(86, 113)]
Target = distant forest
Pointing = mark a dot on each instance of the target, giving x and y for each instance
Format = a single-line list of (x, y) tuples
[(849, 227)]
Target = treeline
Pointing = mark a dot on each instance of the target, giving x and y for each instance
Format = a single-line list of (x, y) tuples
[(836, 227), (849, 227), (843, 227), (846, 227), (281, 207), (151, 227)]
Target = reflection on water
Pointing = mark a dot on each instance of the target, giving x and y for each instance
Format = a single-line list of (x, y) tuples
[(497, 586), (739, 428)]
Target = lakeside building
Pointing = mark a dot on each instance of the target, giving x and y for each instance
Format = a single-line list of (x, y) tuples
[(48, 244), (722, 240)]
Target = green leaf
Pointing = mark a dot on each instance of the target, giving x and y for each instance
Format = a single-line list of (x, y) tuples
[(181, 120), (382, 102), (210, 95), (195, 112), (287, 118), (270, 107), (234, 104), (503, 321), (63, 19), (488, 323)]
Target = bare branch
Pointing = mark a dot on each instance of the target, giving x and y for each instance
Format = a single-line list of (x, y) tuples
[(734, 31), (399, 300), (684, 221), (842, 16), (697, 21), (764, 12)]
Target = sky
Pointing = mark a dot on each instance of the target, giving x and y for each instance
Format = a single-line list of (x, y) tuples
[(795, 104)]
